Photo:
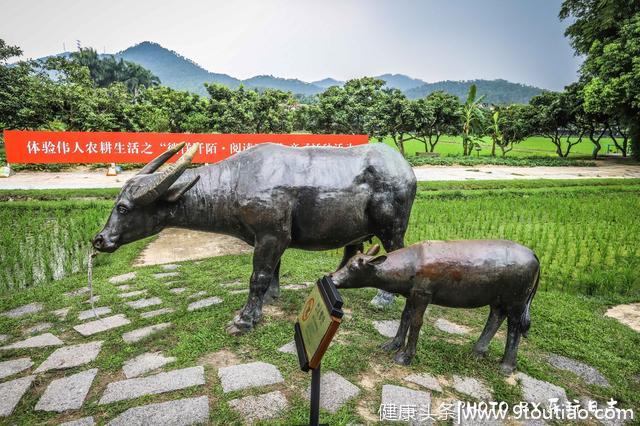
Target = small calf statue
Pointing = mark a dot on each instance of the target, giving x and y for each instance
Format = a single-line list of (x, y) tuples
[(457, 274)]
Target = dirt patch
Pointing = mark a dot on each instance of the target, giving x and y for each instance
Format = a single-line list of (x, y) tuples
[(222, 358), (273, 311), (177, 245), (378, 373), (627, 314)]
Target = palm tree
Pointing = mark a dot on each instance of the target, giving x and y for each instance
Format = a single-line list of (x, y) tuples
[(472, 118)]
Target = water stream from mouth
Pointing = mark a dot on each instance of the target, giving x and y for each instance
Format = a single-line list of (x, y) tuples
[(92, 255)]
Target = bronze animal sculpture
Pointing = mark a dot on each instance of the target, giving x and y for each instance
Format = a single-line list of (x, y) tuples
[(272, 197), (458, 274)]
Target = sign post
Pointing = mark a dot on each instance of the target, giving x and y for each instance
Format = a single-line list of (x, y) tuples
[(317, 324)]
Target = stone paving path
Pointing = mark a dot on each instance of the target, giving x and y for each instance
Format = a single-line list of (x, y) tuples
[(400, 396), (91, 313), (471, 387), (261, 407), (151, 385), (21, 311), (387, 328), (628, 315), (71, 356), (11, 392), (539, 391), (425, 380), (161, 311), (145, 363), (122, 278), (102, 324), (203, 303), (243, 376), (588, 373), (14, 366), (67, 393), (144, 332), (41, 341), (181, 412), (145, 303), (335, 391), (450, 327)]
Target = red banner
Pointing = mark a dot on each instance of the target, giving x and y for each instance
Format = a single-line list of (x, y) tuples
[(123, 147)]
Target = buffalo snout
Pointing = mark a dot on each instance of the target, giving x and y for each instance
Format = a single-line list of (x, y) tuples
[(100, 243)]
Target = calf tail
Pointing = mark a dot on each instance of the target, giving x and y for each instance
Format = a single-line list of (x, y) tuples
[(525, 319)]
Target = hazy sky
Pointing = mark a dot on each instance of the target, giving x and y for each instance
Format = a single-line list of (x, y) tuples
[(518, 40)]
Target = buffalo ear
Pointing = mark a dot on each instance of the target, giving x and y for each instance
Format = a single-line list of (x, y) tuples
[(377, 260), (174, 193)]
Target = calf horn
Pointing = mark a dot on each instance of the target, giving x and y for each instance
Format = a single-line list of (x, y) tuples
[(156, 184), (373, 250), (160, 160)]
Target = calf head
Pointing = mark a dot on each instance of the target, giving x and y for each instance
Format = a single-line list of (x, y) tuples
[(143, 205), (360, 270)]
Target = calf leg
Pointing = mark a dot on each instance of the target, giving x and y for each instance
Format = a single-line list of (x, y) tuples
[(266, 255), (405, 355), (273, 292), (508, 363), (398, 341), (496, 317)]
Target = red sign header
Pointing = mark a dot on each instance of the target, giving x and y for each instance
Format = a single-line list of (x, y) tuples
[(122, 147)]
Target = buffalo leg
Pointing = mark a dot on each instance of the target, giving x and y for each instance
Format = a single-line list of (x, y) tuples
[(496, 317), (406, 354), (398, 341), (273, 292), (508, 363), (384, 298), (266, 255), (349, 252)]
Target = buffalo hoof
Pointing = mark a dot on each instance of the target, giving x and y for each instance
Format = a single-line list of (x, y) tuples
[(390, 346), (238, 327), (507, 369), (402, 358), (271, 296), (479, 354), (383, 299)]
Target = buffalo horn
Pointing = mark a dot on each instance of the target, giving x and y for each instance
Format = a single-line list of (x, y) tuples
[(160, 160)]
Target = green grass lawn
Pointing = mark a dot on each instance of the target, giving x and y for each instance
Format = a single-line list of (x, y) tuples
[(585, 233)]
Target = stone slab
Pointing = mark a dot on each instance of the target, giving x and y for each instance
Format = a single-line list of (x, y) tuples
[(289, 348), (38, 328), (61, 313), (152, 385), (71, 356), (203, 303), (243, 376), (11, 392), (180, 412), (3, 338), (451, 327), (161, 311), (239, 291), (400, 396), (102, 324), (163, 275), (93, 299), (260, 407), (425, 380), (122, 278), (471, 387), (89, 313), (14, 366), (144, 332), (77, 292), (335, 391), (67, 393), (85, 421), (178, 290), (588, 373), (145, 363), (387, 328), (21, 311), (133, 294), (145, 303), (197, 294), (170, 267), (40, 341), (539, 391), (124, 287)]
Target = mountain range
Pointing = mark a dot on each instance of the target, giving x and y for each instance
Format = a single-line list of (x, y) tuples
[(178, 72)]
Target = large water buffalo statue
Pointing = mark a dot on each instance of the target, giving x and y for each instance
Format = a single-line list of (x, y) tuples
[(272, 197), (458, 274)]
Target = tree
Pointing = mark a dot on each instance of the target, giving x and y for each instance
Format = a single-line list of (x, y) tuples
[(608, 34), (392, 115), (510, 125), (435, 115), (555, 118), (472, 121)]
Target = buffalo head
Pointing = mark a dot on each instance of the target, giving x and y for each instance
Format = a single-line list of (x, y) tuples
[(144, 204), (360, 270)]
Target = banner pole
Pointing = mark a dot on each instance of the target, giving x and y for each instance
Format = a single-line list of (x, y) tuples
[(314, 415)]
